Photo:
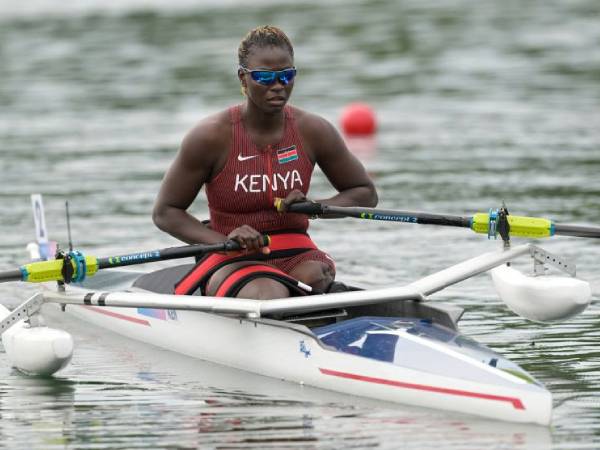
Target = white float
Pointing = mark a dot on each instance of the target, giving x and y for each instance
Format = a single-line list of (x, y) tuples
[(542, 298), (36, 350)]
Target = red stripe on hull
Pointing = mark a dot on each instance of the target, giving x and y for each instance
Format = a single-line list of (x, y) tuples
[(117, 315), (517, 404)]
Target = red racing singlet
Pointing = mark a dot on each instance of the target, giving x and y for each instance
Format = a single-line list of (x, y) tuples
[(245, 189)]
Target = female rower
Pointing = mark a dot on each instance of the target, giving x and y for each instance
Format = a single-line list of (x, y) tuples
[(247, 156)]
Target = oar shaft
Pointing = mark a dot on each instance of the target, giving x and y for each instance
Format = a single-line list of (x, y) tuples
[(387, 215), (577, 230), (520, 226), (168, 253), (54, 270), (11, 275)]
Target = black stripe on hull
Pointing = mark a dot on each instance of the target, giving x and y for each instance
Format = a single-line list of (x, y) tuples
[(102, 299)]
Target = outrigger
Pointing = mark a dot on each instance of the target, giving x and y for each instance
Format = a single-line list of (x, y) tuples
[(390, 344)]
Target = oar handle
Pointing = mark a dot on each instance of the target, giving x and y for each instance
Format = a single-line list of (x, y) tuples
[(308, 208)]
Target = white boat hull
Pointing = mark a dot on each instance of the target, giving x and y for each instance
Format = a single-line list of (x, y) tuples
[(293, 353)]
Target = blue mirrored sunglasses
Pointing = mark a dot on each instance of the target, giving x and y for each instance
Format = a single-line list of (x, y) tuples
[(269, 77)]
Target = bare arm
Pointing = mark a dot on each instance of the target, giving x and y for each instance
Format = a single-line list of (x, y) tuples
[(192, 167), (343, 170)]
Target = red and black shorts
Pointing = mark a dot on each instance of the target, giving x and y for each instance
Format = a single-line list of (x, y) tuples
[(288, 250)]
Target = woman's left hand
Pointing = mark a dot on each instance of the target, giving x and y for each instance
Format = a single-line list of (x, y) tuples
[(295, 196)]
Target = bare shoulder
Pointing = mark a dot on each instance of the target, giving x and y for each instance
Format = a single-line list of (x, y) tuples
[(207, 139), (312, 125), (319, 135)]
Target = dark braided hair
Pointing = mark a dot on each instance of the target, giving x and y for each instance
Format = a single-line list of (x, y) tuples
[(265, 36)]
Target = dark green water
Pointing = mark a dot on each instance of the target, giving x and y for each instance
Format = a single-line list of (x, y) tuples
[(477, 102)]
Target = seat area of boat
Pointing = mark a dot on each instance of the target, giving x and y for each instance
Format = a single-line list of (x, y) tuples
[(163, 281)]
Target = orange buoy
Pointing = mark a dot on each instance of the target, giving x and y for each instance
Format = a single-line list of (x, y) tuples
[(358, 119)]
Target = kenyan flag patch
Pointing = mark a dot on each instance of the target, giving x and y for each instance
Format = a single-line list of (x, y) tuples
[(286, 155)]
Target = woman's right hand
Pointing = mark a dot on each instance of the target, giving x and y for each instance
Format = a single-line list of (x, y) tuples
[(250, 240)]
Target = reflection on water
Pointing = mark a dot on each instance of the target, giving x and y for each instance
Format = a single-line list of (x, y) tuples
[(477, 103)]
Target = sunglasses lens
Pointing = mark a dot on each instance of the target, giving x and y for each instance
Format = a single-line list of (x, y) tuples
[(287, 75), (268, 77), (265, 77)]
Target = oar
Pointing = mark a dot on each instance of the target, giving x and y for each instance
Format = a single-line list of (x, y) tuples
[(75, 266), (485, 223)]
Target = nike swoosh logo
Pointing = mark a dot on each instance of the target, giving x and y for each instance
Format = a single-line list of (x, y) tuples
[(244, 158)]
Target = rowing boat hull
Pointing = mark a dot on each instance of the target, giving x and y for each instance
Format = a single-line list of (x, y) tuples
[(425, 372)]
